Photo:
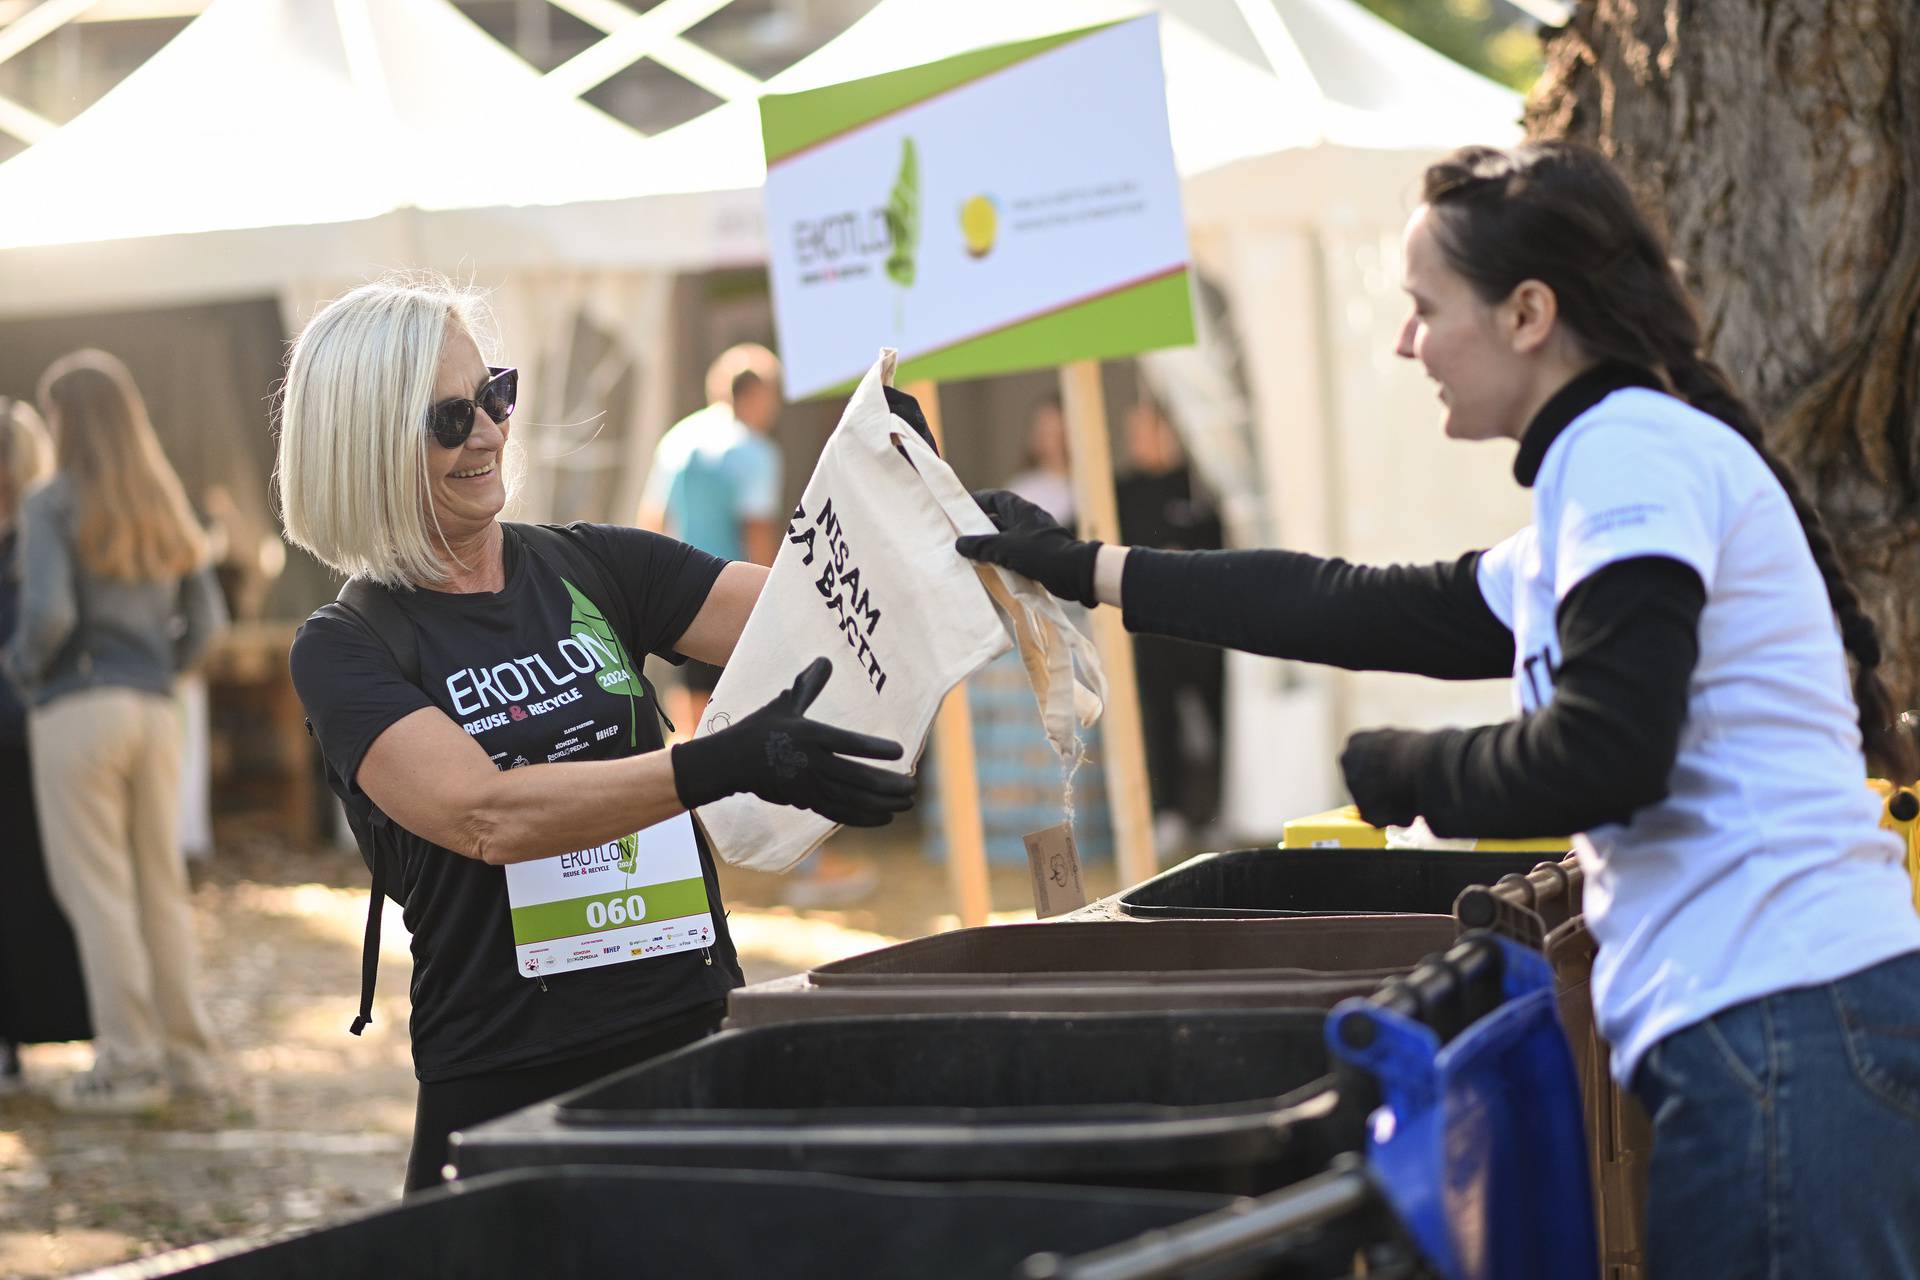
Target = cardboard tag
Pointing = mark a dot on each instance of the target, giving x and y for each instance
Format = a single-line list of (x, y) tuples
[(1055, 865)]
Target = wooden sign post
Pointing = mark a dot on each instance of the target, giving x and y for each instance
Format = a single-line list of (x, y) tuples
[(1128, 802), (953, 750)]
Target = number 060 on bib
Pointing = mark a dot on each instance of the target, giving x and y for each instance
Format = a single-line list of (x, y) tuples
[(630, 899)]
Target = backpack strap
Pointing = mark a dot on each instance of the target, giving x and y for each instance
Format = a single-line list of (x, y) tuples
[(370, 945), (372, 608)]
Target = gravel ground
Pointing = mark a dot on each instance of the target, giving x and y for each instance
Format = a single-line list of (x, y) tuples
[(310, 1122)]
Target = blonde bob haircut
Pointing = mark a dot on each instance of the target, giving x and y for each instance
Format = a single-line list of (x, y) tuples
[(132, 519), (352, 466), (26, 456)]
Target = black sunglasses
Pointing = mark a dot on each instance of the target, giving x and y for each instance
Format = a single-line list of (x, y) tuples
[(451, 421)]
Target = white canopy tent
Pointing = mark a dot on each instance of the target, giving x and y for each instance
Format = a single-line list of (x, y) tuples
[(272, 134), (290, 147), (293, 148)]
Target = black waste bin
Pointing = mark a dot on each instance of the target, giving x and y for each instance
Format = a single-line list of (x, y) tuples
[(1334, 1225), (1255, 883), (1107, 966), (1235, 1102), (713, 1224)]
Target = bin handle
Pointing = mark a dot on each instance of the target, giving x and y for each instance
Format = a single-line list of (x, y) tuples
[(1341, 1191), (1513, 905), (1517, 889), (1556, 879), (1447, 993)]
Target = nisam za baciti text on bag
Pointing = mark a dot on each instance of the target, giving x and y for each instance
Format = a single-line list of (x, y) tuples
[(867, 576)]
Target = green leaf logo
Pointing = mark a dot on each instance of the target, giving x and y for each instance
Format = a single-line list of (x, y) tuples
[(617, 672), (903, 216), (629, 853)]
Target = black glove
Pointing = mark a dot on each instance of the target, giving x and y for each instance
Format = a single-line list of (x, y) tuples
[(780, 755), (1380, 766), (1033, 545)]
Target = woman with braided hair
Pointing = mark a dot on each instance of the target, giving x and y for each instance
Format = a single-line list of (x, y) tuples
[(1677, 628)]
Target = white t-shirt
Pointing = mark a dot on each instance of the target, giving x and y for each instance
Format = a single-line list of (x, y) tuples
[(1765, 868)]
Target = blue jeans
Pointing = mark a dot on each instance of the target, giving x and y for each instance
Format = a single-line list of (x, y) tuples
[(1786, 1135)]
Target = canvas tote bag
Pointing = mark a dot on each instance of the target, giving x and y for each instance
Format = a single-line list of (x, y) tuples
[(867, 576)]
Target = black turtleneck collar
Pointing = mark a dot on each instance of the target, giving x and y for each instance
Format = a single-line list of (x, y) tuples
[(1568, 403)]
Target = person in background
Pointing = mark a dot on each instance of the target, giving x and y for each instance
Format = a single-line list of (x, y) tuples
[(715, 484), (1182, 685), (247, 555), (41, 995), (116, 600), (1047, 480)]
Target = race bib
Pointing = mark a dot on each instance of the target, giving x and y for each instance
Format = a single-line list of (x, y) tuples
[(630, 899)]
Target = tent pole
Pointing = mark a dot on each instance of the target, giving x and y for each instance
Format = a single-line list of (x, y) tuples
[(953, 749), (1128, 803)]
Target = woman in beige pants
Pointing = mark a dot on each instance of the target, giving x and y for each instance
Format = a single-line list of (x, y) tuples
[(115, 600)]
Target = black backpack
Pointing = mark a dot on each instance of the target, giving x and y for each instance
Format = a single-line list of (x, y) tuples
[(372, 608)]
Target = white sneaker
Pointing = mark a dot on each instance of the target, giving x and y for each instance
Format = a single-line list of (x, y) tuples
[(101, 1093)]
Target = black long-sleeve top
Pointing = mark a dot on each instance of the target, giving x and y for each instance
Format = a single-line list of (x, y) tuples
[(1601, 748)]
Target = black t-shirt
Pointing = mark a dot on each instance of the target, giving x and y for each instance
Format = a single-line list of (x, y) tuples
[(495, 663), (1162, 510)]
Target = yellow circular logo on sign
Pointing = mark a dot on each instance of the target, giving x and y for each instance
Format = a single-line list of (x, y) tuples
[(979, 223)]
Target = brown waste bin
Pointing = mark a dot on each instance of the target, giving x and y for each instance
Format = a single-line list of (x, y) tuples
[(1256, 884), (1619, 1135), (1108, 967), (1542, 909)]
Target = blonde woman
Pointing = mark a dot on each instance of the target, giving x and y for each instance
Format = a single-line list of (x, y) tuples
[(520, 735), (115, 601)]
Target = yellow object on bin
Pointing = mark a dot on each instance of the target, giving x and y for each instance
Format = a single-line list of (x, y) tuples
[(1900, 814), (1343, 829)]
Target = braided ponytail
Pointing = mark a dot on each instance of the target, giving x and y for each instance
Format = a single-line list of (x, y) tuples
[(1702, 384), (1557, 212)]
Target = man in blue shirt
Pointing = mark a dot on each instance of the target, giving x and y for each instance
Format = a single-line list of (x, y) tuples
[(715, 479)]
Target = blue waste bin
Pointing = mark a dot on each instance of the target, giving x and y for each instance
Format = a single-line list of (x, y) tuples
[(1479, 1143)]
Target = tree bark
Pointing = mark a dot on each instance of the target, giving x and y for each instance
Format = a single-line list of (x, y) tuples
[(1781, 140)]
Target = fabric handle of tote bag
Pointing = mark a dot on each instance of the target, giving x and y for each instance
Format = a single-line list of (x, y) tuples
[(1049, 643)]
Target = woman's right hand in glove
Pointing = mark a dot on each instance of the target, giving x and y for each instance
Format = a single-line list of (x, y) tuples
[(1033, 545), (779, 755)]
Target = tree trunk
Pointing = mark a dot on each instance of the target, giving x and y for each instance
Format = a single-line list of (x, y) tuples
[(1781, 138)]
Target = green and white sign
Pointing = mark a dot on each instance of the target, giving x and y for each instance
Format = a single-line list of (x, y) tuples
[(1012, 208), (630, 899)]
